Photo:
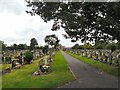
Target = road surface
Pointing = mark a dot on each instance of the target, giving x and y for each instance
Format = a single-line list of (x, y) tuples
[(87, 76)]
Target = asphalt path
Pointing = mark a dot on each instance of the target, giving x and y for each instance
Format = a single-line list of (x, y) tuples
[(88, 76)]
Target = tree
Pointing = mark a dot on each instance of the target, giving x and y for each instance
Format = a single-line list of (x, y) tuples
[(22, 46), (77, 46), (118, 45), (45, 49), (88, 21), (28, 57), (15, 47), (87, 46), (33, 42), (111, 46), (52, 40), (2, 46)]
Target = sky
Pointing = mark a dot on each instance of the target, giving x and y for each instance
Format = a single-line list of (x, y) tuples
[(18, 27)]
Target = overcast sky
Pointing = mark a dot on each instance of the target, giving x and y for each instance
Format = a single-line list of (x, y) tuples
[(16, 26)]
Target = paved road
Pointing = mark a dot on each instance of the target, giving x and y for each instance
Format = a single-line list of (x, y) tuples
[(87, 76)]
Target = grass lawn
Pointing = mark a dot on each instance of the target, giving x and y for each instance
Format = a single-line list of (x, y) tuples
[(4, 66), (99, 65), (22, 78)]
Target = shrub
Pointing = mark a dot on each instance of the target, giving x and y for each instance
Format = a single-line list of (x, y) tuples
[(28, 57), (100, 47), (111, 46)]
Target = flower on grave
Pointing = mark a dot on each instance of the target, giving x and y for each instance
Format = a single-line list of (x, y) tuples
[(46, 66)]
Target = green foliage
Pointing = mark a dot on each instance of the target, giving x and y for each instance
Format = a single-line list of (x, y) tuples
[(28, 57), (100, 47), (52, 40), (18, 47), (87, 21), (77, 46), (15, 46), (33, 42), (111, 46), (2, 46), (45, 49), (87, 46), (4, 66), (118, 45), (22, 46)]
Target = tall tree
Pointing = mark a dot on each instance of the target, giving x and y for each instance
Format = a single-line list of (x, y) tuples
[(15, 47), (33, 42), (77, 46), (87, 46), (85, 21), (52, 40), (2, 46)]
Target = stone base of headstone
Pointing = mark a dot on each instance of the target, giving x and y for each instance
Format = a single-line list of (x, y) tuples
[(7, 70), (39, 72), (36, 73)]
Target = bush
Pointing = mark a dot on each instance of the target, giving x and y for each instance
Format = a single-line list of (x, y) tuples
[(28, 57), (118, 45), (111, 46), (100, 47)]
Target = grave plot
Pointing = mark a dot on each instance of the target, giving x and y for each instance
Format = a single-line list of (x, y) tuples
[(60, 75), (44, 65), (15, 60)]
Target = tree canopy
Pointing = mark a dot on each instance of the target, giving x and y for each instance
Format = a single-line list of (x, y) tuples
[(52, 40), (88, 21), (2, 45), (77, 46), (33, 42)]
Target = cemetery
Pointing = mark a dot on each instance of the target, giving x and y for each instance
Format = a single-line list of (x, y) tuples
[(52, 66), (32, 67), (24, 77), (53, 62)]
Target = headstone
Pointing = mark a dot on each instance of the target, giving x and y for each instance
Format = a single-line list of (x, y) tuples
[(102, 57), (8, 59), (13, 63), (2, 59), (96, 56), (39, 65), (20, 60), (110, 58), (89, 55), (46, 60), (84, 54), (106, 57), (117, 57)]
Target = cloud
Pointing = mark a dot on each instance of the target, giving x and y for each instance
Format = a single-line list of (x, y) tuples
[(15, 6), (16, 26)]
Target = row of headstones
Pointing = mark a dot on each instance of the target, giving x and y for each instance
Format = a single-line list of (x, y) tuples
[(17, 61), (20, 61), (7, 57), (105, 56)]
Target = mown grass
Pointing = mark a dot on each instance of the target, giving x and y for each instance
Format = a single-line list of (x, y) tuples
[(4, 66), (23, 78), (99, 65)]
